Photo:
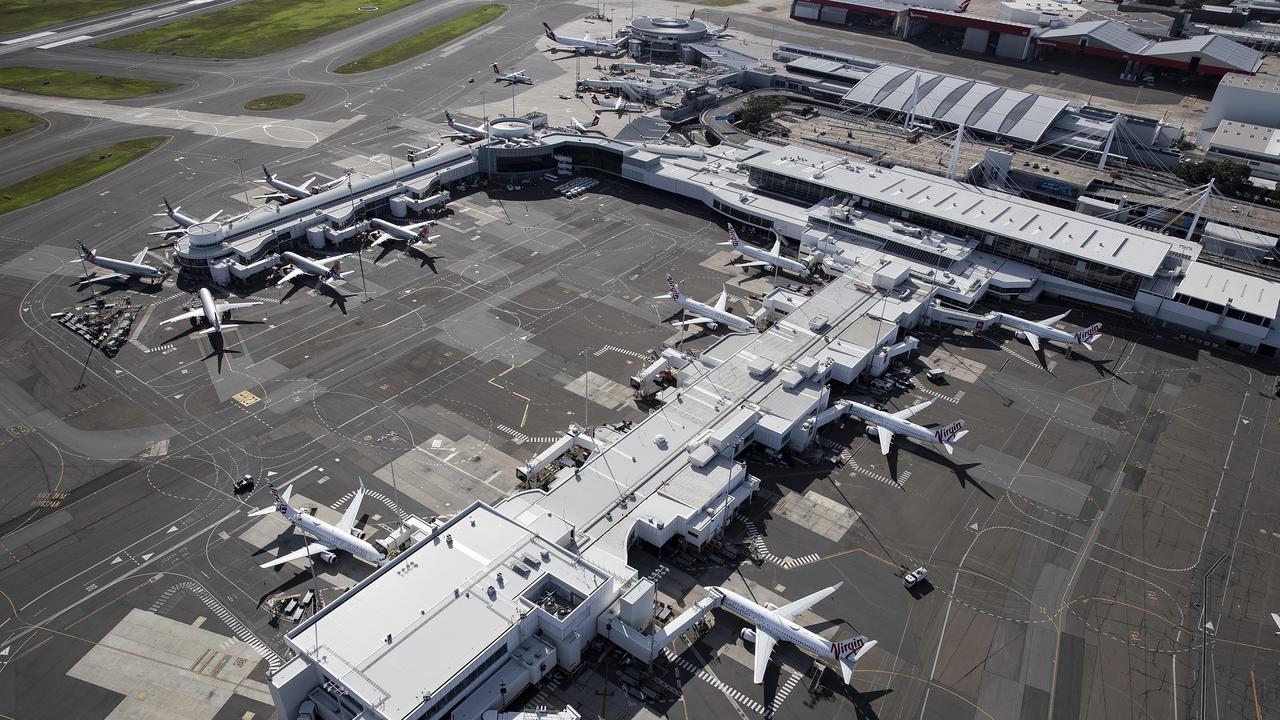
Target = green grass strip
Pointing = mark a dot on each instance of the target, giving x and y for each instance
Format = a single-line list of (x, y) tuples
[(275, 102), (21, 15), (64, 83), (70, 175), (253, 28), (418, 43), (13, 122)]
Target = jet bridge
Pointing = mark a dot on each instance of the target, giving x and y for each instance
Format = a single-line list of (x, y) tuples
[(959, 318), (545, 461), (669, 360)]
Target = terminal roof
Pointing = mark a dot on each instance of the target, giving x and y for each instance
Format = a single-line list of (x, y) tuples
[(1243, 292)]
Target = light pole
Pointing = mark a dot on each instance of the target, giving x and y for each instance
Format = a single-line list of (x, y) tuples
[(586, 395)]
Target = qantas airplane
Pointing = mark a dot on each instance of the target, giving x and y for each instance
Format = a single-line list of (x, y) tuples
[(618, 105), (707, 314), (582, 129), (716, 31), (329, 538), (580, 45), (775, 623), (413, 233), (120, 269), (772, 258), (883, 426), (321, 269), (514, 78), (468, 133)]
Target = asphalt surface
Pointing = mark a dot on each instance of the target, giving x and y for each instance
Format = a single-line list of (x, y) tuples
[(1068, 540)]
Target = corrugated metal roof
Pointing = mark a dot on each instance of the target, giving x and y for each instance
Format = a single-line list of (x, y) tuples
[(1223, 52), (951, 99), (1106, 33)]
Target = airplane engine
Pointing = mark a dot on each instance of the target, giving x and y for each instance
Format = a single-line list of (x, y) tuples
[(770, 606), (1020, 335), (748, 635), (328, 557), (873, 432)]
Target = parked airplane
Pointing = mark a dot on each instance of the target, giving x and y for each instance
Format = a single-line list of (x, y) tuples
[(212, 312), (715, 31), (517, 77), (760, 257), (407, 233), (183, 220), (286, 191), (706, 314), (883, 426), (328, 537), (324, 269), (582, 129), (466, 132), (618, 105), (775, 623), (1033, 332), (583, 44), (120, 269)]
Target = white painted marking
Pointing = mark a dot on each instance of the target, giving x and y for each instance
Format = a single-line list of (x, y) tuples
[(147, 556), (118, 559), (5, 651), (68, 41), (172, 529), (25, 38)]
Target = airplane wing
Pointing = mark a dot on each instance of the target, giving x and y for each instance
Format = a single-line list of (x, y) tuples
[(764, 648), (103, 278), (273, 196), (694, 321), (352, 512), (1275, 619), (1034, 341), (886, 439), (1055, 318), (223, 307), (904, 414), (142, 255), (294, 273), (756, 263), (198, 312), (314, 548), (326, 262), (723, 301), (170, 231), (792, 609), (382, 237), (212, 217)]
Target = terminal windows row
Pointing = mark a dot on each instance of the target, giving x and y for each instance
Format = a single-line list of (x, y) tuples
[(1217, 309)]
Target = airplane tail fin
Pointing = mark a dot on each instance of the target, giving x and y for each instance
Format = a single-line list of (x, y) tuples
[(448, 117), (948, 435), (691, 13), (595, 119), (496, 71), (1088, 335), (733, 236), (849, 652), (281, 504), (265, 173), (595, 100), (675, 289), (551, 35)]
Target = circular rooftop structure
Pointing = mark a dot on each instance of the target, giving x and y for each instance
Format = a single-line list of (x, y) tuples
[(510, 127), (682, 30)]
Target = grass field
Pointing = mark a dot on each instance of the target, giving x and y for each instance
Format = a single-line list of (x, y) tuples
[(275, 102), (21, 15), (67, 176), (253, 28), (418, 43), (63, 83), (13, 122)]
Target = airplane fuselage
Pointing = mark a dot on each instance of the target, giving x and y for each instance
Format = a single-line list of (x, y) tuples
[(1044, 332), (897, 426), (309, 267), (332, 536), (718, 316), (774, 260), (780, 628), (124, 267), (210, 309), (398, 231), (181, 218)]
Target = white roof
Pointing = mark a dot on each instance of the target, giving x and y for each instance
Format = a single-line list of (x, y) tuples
[(1101, 241), (951, 99), (434, 632), (1246, 137), (1220, 285), (1218, 50), (1111, 34)]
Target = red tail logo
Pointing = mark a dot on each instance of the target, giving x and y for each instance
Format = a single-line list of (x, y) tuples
[(546, 29)]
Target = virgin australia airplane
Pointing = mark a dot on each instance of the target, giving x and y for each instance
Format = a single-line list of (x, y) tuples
[(706, 314), (883, 426), (775, 623), (759, 257), (1033, 332)]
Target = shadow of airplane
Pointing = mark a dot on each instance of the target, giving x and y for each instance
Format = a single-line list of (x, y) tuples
[(961, 470), (412, 250)]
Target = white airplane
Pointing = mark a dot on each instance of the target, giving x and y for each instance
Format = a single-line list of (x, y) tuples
[(466, 132), (580, 45), (771, 259), (120, 269), (183, 220), (715, 31), (706, 314), (286, 191), (328, 537), (582, 129), (211, 311), (883, 426), (319, 269), (1033, 332), (408, 233), (517, 77), (775, 623), (618, 105)]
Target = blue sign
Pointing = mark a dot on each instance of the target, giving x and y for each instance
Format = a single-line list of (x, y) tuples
[(726, 118)]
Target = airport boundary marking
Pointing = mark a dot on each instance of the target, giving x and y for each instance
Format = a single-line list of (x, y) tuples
[(786, 563), (520, 438), (242, 632), (846, 455), (929, 391), (391, 505), (736, 695), (623, 351)]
